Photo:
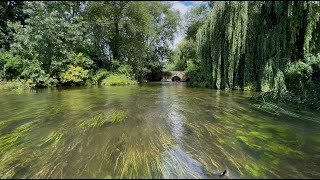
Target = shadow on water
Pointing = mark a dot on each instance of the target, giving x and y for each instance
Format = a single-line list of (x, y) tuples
[(153, 130)]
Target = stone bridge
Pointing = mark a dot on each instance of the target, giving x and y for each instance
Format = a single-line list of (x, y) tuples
[(175, 76)]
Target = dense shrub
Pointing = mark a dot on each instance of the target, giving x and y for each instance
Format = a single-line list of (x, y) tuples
[(298, 77), (33, 72), (301, 75), (118, 79), (314, 62), (125, 69), (12, 66), (156, 72), (194, 74), (16, 84), (75, 75), (99, 76), (80, 60)]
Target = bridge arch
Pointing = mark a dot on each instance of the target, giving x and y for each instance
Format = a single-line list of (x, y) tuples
[(175, 79), (175, 76)]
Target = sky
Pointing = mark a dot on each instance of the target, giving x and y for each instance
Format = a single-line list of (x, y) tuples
[(183, 7)]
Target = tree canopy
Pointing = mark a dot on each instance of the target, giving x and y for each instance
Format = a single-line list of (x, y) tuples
[(49, 35)]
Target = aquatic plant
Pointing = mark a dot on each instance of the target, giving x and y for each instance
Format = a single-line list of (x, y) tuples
[(54, 138), (96, 121), (117, 116), (13, 139)]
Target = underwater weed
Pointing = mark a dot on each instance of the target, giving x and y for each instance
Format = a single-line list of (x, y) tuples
[(95, 121), (14, 138), (118, 116)]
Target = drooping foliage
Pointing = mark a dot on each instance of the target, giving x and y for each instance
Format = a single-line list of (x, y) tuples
[(249, 45)]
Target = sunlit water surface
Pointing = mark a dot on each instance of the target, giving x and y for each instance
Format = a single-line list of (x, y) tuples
[(168, 130)]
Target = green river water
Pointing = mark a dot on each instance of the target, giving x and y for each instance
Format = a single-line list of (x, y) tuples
[(163, 130)]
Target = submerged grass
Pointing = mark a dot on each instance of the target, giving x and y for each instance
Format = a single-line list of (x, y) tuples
[(96, 121), (95, 146), (13, 139), (53, 138), (267, 143), (117, 116), (14, 150), (275, 109)]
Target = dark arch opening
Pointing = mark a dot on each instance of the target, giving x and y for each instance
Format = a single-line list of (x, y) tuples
[(175, 79)]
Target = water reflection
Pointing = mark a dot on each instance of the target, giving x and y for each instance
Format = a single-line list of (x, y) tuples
[(176, 162)]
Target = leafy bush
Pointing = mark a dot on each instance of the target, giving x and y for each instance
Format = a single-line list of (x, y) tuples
[(118, 79), (74, 75), (12, 66), (194, 74), (302, 80), (314, 62), (115, 64), (125, 69), (298, 77), (156, 71), (80, 60), (99, 76), (35, 74), (2, 60), (2, 63), (16, 84)]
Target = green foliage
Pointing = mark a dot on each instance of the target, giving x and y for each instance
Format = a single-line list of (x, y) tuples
[(249, 44), (39, 38), (80, 60), (17, 85), (192, 71), (136, 32), (12, 65), (195, 19), (301, 82), (34, 73), (298, 77), (50, 37), (99, 76), (302, 79), (186, 51), (125, 69), (10, 11), (74, 75), (314, 62), (118, 79), (3, 59), (155, 73)]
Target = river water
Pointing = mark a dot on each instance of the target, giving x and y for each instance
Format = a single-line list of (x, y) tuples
[(160, 130)]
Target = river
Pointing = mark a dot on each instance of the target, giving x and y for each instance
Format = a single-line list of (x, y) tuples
[(161, 130)]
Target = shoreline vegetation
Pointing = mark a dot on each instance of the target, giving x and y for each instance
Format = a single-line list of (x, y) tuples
[(280, 58)]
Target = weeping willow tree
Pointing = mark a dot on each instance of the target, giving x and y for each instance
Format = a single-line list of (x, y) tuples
[(248, 45)]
